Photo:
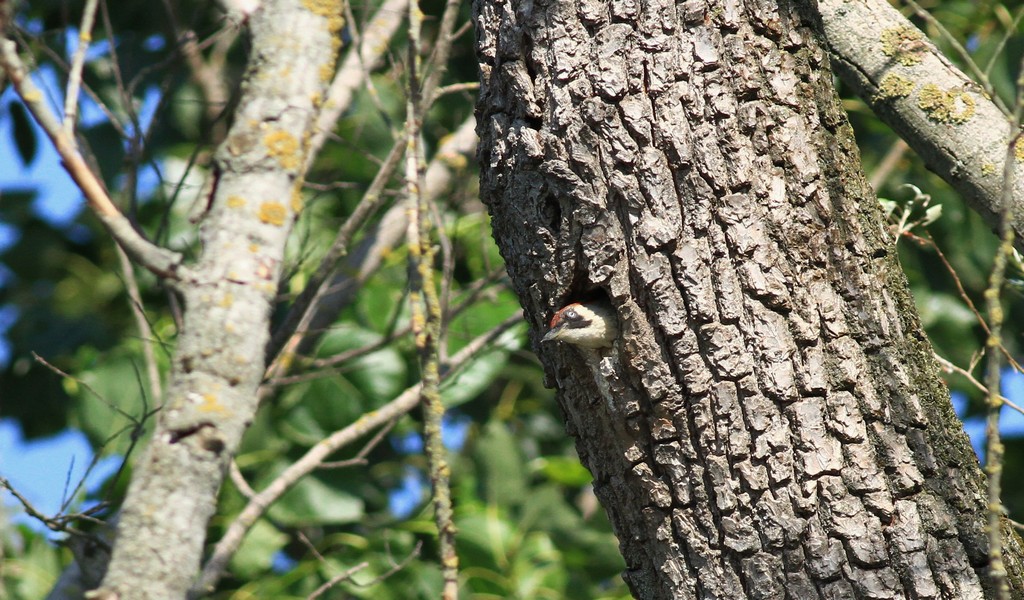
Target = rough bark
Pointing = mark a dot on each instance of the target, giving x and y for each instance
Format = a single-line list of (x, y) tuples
[(219, 359), (771, 423)]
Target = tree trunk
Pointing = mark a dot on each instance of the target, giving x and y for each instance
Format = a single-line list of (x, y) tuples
[(771, 423), (229, 293)]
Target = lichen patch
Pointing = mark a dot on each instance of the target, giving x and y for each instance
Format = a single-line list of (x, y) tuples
[(273, 213), (893, 86), (284, 147), (905, 44), (946, 106)]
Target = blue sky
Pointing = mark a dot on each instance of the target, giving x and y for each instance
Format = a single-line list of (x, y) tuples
[(48, 470)]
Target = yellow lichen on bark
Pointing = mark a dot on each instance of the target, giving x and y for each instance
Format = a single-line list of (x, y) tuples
[(284, 147), (210, 404), (946, 106), (236, 202), (330, 10), (905, 44), (273, 213), (326, 73), (893, 86)]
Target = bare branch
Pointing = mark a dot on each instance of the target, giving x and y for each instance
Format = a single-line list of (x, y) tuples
[(362, 58), (316, 455), (145, 331), (160, 261), (942, 114), (75, 76), (333, 581)]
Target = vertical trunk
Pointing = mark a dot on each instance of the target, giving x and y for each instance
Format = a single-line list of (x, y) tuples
[(219, 359), (771, 422)]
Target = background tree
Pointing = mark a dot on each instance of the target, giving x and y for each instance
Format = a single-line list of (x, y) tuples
[(160, 94)]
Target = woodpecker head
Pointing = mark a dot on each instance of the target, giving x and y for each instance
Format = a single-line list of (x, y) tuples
[(584, 325)]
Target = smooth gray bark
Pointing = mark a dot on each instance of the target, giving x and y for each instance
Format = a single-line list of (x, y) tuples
[(219, 359), (940, 112), (771, 423)]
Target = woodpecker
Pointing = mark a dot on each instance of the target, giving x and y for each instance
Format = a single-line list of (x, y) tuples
[(591, 325), (593, 328)]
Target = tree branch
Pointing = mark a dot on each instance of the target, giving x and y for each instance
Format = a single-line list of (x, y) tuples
[(940, 112), (160, 261), (258, 504)]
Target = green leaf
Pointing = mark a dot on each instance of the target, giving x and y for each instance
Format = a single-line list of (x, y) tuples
[(380, 375), (481, 372), (32, 570), (582, 542), (23, 131), (497, 453), (565, 471), (187, 108), (320, 407), (932, 214), (112, 398), (945, 309), (256, 553), (538, 570), (313, 502), (485, 539)]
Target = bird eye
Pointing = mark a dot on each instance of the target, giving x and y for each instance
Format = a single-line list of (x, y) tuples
[(571, 314)]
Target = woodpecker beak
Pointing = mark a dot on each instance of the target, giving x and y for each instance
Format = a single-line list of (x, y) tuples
[(552, 335)]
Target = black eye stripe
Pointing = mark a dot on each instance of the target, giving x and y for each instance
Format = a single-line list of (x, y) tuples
[(577, 322)]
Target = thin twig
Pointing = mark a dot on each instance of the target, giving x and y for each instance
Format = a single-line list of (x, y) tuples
[(315, 456), (333, 581), (456, 88), (424, 300), (61, 64), (360, 457), (328, 365), (77, 62), (395, 567), (238, 479), (362, 57), (289, 334), (892, 158), (951, 367), (127, 105), (930, 242), (145, 331), (438, 62), (367, 63), (59, 523), (160, 261), (449, 159), (1010, 32), (993, 299)]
